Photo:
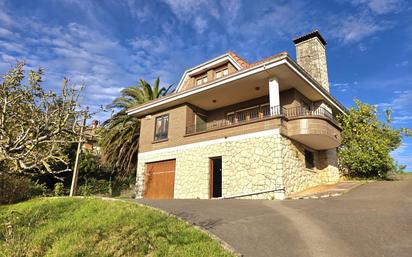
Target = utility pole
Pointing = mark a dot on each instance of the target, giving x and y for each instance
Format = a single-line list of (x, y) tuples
[(76, 163)]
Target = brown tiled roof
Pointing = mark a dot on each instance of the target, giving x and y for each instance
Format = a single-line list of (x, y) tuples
[(246, 65), (268, 58), (239, 60)]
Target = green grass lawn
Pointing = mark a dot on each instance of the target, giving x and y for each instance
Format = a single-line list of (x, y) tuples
[(95, 227)]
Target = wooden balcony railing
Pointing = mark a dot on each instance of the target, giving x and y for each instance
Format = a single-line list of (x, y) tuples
[(256, 114)]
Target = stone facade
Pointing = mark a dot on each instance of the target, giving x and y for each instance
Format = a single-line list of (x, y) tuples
[(250, 163), (297, 177), (311, 55)]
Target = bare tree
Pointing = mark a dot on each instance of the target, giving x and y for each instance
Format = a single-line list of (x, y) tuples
[(36, 126)]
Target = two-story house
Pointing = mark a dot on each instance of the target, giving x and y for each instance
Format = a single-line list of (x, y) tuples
[(233, 128)]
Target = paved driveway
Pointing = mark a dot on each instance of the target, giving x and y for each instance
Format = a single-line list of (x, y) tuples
[(371, 220)]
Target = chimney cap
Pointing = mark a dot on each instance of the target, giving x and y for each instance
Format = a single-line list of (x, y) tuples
[(310, 35)]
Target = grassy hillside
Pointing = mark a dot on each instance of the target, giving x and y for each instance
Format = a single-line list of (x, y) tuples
[(94, 227)]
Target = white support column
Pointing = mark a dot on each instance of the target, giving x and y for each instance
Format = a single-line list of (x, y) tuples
[(274, 100)]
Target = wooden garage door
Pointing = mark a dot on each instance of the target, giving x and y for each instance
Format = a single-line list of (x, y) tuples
[(160, 180)]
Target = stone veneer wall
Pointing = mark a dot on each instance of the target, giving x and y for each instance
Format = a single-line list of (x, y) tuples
[(253, 162), (328, 160), (297, 177)]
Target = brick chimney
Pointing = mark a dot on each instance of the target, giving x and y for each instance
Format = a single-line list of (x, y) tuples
[(311, 56)]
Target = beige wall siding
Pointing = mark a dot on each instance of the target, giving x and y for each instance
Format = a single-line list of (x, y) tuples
[(231, 68), (177, 129), (313, 126), (293, 98)]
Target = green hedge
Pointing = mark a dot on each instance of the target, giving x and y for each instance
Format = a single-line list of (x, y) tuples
[(14, 188)]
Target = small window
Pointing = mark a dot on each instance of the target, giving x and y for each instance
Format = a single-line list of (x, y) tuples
[(161, 127), (221, 73), (201, 80), (309, 159)]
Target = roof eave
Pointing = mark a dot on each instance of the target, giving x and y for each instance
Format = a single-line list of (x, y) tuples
[(283, 56), (134, 110)]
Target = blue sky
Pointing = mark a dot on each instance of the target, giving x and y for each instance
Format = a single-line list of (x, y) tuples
[(109, 45)]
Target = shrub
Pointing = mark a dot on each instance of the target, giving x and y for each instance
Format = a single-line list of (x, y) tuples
[(59, 189), (367, 142), (84, 190), (96, 187), (98, 179), (14, 188), (123, 185)]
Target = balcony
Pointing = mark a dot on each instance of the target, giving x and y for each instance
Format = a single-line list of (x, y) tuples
[(302, 112), (238, 118), (317, 129)]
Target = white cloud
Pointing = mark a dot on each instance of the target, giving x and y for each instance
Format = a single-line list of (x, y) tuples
[(8, 58), (13, 47), (5, 18), (5, 33), (403, 154), (200, 14), (200, 24), (80, 53), (343, 86), (403, 101), (152, 44), (402, 119), (231, 10), (400, 91), (381, 6), (355, 28), (187, 9), (401, 104), (277, 21), (402, 64), (194, 12), (362, 47), (140, 11)]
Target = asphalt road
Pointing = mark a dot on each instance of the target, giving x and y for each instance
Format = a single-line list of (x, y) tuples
[(372, 220)]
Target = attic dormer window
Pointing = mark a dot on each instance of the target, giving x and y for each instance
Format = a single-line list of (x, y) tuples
[(201, 80), (221, 73)]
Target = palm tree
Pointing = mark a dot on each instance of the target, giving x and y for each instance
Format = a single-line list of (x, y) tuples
[(120, 134)]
